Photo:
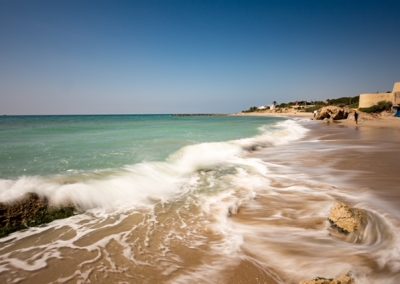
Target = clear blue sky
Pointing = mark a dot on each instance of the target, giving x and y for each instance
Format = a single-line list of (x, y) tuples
[(83, 57)]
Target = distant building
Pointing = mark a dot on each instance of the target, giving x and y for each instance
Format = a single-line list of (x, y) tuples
[(396, 94), (368, 100), (262, 107)]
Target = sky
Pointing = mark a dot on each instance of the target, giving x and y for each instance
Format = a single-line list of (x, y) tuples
[(112, 57)]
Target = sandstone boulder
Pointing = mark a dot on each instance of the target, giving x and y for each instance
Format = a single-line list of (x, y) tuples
[(346, 219), (343, 279), (31, 210), (332, 112)]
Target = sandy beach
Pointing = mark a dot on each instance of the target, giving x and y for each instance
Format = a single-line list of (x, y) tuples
[(385, 120), (206, 142), (356, 164), (377, 167), (276, 114), (259, 218)]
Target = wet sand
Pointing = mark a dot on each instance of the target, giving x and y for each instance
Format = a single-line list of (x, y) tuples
[(369, 151), (258, 228), (358, 164), (376, 163)]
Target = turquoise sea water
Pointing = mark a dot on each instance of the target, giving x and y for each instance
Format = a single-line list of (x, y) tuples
[(154, 192), (46, 145)]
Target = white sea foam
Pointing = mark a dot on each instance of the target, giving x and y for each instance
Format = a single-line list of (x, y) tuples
[(281, 222), (142, 183)]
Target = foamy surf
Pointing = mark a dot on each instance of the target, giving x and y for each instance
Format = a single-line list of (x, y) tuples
[(140, 184), (221, 212)]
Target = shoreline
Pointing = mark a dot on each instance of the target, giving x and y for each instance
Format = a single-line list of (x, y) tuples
[(370, 148), (273, 217), (276, 114), (375, 122), (365, 120), (357, 165)]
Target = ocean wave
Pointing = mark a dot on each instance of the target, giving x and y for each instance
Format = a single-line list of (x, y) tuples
[(226, 210), (141, 184)]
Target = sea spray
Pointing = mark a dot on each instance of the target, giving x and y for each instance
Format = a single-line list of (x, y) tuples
[(246, 211), (52, 145), (140, 184)]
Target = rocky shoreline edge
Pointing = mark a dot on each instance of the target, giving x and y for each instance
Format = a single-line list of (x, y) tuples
[(33, 210), (30, 211)]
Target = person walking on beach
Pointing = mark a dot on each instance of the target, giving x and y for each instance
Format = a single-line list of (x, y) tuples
[(356, 117)]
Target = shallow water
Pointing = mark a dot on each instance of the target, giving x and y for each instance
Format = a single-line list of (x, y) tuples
[(248, 210), (47, 145)]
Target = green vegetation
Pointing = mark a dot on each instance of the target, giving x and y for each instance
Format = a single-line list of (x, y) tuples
[(251, 109), (301, 104), (310, 106), (344, 101), (29, 212), (379, 107), (313, 108)]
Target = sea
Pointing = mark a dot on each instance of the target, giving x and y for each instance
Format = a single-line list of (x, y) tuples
[(181, 199)]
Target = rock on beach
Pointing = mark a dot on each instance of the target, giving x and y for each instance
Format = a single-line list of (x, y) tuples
[(345, 218), (342, 279), (31, 210), (332, 112)]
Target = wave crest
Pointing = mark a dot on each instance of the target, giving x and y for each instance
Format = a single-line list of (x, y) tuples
[(141, 184)]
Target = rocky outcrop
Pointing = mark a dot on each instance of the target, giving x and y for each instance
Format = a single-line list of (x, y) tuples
[(332, 112), (346, 219), (343, 279), (32, 210)]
